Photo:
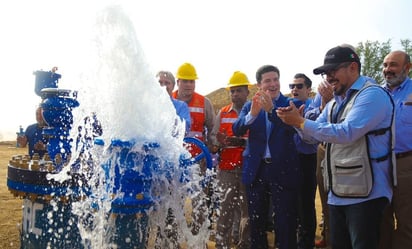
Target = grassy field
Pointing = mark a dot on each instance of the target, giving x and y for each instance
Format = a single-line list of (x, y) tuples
[(11, 207)]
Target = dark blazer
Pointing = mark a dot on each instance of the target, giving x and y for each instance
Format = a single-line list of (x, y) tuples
[(285, 170)]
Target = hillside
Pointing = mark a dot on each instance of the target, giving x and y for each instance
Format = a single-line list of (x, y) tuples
[(220, 97)]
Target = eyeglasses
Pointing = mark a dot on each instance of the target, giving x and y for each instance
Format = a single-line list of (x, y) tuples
[(333, 71), (298, 86)]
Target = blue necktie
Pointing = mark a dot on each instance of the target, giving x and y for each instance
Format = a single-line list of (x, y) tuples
[(268, 131)]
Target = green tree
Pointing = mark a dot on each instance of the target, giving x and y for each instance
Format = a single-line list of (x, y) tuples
[(372, 54), (407, 47)]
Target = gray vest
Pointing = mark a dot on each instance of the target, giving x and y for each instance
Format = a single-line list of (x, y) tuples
[(347, 168)]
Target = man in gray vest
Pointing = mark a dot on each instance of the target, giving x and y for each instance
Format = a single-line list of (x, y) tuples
[(357, 128)]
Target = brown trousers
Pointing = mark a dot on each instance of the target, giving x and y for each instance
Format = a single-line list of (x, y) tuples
[(396, 229), (323, 194)]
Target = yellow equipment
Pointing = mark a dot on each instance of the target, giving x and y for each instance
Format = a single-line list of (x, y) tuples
[(186, 72), (238, 79)]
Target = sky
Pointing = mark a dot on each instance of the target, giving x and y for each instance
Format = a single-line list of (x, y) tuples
[(217, 36)]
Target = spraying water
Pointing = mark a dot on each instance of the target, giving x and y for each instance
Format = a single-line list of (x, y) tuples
[(142, 136)]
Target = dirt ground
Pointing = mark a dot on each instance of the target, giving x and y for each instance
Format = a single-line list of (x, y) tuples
[(11, 207)]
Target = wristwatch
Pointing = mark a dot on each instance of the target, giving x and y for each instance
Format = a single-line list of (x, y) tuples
[(302, 125)]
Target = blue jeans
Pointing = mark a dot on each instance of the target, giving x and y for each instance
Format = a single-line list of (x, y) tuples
[(356, 226)]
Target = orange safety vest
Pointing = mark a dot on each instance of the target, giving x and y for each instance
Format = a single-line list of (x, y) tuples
[(230, 156), (197, 118)]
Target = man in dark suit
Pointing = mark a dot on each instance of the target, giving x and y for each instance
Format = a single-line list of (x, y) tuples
[(271, 170)]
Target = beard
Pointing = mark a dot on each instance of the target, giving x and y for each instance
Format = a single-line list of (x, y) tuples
[(339, 91), (395, 80)]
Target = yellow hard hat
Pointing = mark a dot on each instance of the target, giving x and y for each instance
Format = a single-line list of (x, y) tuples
[(238, 79), (186, 72)]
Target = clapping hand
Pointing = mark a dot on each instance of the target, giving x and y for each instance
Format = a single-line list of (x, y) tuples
[(290, 114), (261, 100)]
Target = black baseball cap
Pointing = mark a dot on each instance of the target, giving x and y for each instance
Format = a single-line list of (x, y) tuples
[(334, 57)]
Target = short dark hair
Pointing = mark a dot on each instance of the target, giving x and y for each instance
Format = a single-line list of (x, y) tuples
[(305, 78), (407, 58), (265, 69)]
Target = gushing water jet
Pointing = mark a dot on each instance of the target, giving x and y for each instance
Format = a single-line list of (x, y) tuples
[(117, 188)]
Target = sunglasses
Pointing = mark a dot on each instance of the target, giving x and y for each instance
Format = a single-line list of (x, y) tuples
[(298, 86)]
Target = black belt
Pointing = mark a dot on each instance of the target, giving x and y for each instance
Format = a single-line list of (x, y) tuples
[(267, 160), (403, 154)]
